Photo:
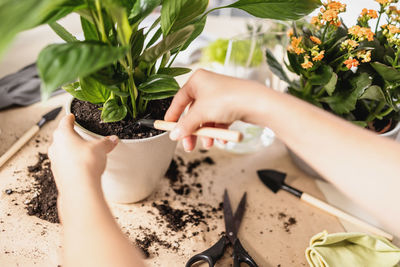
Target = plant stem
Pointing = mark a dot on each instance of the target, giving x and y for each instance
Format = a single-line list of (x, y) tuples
[(378, 109), (386, 112), (101, 22), (324, 33), (396, 58), (379, 18)]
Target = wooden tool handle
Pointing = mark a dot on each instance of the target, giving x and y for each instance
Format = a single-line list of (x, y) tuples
[(343, 215), (20, 143), (218, 133)]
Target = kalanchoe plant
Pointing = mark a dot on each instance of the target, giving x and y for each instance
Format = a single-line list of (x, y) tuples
[(353, 72), (120, 64)]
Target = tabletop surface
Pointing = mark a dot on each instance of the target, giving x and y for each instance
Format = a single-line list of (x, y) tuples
[(265, 232)]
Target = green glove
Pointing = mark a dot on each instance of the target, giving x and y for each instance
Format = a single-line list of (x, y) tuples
[(351, 249)]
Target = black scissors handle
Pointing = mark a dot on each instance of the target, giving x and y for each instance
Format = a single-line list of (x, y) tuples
[(211, 255), (240, 255)]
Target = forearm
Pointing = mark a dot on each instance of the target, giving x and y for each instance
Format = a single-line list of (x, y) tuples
[(91, 236), (363, 165)]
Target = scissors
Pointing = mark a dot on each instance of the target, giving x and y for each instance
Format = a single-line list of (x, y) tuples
[(232, 224)]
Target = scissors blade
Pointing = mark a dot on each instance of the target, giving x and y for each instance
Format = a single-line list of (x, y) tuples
[(240, 212), (229, 219)]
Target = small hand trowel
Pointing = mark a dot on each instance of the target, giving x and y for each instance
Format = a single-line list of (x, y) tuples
[(217, 133), (28, 135), (275, 181)]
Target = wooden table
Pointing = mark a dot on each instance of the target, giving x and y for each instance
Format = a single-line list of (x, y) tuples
[(29, 241)]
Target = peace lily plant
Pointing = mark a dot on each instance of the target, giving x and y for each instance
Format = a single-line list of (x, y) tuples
[(119, 64), (353, 72)]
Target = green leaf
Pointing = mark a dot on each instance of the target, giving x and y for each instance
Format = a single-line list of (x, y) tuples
[(158, 96), (294, 63), (62, 32), (322, 75), (113, 111), (155, 37), (373, 92), (173, 71), (89, 30), (170, 42), (360, 123), (176, 14), (141, 9), (275, 67), (59, 64), (137, 43), (110, 76), (331, 85), (159, 83), (124, 30), (344, 102), (88, 89), (388, 73), (198, 29), (17, 16), (277, 9)]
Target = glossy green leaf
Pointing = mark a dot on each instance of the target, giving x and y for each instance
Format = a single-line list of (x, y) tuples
[(110, 76), (16, 16), (170, 42), (277, 9), (137, 43), (89, 30), (159, 83), (174, 71), (59, 64), (124, 30), (88, 89), (62, 32), (141, 9), (294, 63), (156, 36), (112, 111), (322, 75), (190, 10), (345, 102), (388, 73), (198, 29), (158, 96), (331, 85), (373, 92), (276, 67), (169, 14)]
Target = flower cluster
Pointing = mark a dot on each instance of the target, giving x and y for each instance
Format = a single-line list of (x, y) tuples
[(385, 3), (361, 33), (329, 14), (314, 53)]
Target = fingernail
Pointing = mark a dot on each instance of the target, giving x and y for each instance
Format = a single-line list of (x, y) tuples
[(113, 138), (185, 145), (175, 134)]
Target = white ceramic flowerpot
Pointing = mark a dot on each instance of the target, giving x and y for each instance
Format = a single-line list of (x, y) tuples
[(135, 167), (302, 165)]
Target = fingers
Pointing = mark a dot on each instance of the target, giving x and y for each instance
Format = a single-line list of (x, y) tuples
[(187, 124), (206, 141), (189, 143), (67, 123), (183, 98), (106, 144)]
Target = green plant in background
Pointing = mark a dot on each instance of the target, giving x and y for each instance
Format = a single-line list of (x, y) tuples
[(241, 50), (119, 64), (352, 72)]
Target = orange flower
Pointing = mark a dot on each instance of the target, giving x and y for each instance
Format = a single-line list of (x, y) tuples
[(365, 56), (337, 6), (307, 63), (393, 29), (315, 40), (319, 56), (315, 21), (290, 32), (351, 62), (294, 45), (370, 13), (361, 33), (383, 2), (330, 15)]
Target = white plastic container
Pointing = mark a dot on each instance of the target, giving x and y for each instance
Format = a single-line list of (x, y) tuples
[(135, 167)]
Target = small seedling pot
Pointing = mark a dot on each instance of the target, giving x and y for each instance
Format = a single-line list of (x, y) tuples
[(135, 166), (302, 165)]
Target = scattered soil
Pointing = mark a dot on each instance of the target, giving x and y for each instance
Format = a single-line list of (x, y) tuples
[(88, 116), (288, 221), (44, 203)]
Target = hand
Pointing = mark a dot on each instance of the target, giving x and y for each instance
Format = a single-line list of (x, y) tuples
[(74, 161), (216, 100)]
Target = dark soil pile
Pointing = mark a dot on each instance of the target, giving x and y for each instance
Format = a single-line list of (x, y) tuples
[(44, 203), (88, 116)]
